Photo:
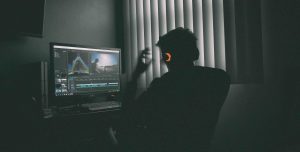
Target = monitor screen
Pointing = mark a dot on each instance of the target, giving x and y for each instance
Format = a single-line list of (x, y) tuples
[(80, 70)]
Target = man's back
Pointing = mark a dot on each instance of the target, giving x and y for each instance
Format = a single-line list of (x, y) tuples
[(180, 109)]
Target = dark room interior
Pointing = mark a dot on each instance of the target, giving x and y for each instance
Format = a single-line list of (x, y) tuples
[(258, 40)]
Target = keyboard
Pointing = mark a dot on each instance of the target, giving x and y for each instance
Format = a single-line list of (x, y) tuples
[(102, 105)]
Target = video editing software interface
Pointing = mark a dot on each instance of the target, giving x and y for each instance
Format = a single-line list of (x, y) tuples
[(83, 70)]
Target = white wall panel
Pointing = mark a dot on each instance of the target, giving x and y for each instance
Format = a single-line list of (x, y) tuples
[(179, 20), (155, 37), (219, 34), (127, 43), (170, 7), (148, 38), (140, 37), (133, 35), (198, 29), (165, 8), (208, 30), (188, 14)]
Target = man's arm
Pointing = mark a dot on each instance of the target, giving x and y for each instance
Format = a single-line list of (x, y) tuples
[(127, 124), (130, 92)]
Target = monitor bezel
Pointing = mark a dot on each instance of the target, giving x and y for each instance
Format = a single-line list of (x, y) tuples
[(77, 98)]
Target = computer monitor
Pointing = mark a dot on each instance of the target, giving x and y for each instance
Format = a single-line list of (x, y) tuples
[(82, 71)]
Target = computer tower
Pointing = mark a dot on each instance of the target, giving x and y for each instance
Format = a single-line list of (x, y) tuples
[(36, 82)]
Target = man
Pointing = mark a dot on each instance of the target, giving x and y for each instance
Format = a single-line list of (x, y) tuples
[(94, 66), (179, 110)]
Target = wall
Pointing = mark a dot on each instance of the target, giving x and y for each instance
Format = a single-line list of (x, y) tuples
[(255, 117), (90, 22), (84, 22)]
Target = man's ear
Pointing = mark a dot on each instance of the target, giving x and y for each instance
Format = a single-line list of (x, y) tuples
[(168, 57)]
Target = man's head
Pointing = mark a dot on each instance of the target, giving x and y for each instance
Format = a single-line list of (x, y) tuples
[(96, 60), (178, 47)]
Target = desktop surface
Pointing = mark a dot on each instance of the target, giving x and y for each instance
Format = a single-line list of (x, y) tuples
[(82, 109)]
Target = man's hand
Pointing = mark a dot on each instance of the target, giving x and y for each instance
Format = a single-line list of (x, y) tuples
[(144, 61)]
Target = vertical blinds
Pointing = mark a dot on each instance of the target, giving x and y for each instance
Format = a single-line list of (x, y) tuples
[(146, 20)]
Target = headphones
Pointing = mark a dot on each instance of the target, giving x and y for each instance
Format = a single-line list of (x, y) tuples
[(167, 57)]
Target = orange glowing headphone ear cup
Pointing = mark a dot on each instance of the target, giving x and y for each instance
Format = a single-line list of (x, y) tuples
[(168, 57)]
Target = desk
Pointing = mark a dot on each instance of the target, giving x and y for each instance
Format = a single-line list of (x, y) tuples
[(79, 131)]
